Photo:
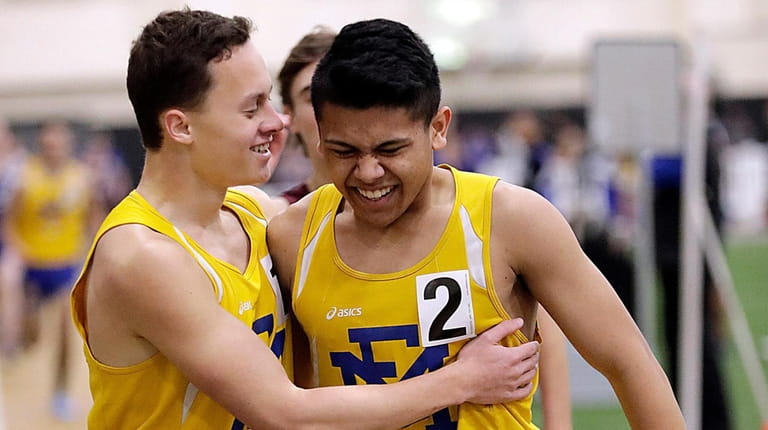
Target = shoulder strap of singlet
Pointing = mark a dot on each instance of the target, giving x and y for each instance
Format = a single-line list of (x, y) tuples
[(323, 204), (246, 204), (474, 193)]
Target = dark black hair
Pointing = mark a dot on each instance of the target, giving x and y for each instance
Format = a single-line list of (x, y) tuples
[(378, 63)]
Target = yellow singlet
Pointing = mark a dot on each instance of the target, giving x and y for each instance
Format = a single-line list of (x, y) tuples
[(368, 328), (52, 214), (154, 394)]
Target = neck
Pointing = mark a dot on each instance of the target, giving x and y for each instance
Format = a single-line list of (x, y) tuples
[(53, 165), (183, 198)]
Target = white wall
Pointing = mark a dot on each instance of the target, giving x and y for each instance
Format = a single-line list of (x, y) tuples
[(68, 57)]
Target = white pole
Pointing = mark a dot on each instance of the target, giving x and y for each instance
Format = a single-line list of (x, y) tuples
[(691, 291), (737, 320), (645, 266)]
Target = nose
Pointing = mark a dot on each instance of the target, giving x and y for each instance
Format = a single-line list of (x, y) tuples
[(273, 123), (368, 168)]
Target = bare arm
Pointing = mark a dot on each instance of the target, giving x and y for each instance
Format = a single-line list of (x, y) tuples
[(585, 306), (554, 378), (303, 374), (170, 307)]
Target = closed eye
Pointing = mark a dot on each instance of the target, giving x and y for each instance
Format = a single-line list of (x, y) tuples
[(391, 150), (343, 153), (255, 105)]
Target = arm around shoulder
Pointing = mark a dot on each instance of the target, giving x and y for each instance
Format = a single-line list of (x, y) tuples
[(169, 307)]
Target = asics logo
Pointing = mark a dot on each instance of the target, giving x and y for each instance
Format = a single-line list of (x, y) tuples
[(335, 312), (244, 307)]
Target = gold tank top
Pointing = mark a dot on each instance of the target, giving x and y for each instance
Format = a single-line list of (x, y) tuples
[(368, 328)]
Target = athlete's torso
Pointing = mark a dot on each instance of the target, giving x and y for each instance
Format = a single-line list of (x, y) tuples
[(381, 328), (154, 394), (52, 213)]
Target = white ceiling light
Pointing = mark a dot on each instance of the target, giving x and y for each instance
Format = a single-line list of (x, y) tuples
[(450, 54), (463, 13)]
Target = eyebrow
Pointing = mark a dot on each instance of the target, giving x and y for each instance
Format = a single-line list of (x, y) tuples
[(253, 97), (305, 89), (377, 146)]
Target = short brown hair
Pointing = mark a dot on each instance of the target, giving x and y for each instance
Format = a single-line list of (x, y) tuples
[(310, 48)]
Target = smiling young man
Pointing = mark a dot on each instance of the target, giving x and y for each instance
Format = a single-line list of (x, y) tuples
[(422, 258), (181, 318)]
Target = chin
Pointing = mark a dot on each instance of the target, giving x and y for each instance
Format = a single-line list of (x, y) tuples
[(260, 179)]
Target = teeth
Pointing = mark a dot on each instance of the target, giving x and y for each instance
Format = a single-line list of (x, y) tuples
[(262, 149), (375, 194)]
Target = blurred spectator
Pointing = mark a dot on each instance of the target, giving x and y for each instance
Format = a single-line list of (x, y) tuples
[(295, 78), (744, 175), (108, 171), (11, 158), (528, 126), (510, 160), (476, 145), (49, 223), (580, 182)]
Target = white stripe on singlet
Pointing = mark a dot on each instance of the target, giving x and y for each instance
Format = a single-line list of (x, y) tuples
[(474, 248), (309, 251), (203, 263), (189, 398)]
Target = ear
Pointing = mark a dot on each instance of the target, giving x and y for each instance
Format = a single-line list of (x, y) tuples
[(438, 128), (175, 123)]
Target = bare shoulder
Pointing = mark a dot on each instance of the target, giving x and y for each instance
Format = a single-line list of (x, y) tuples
[(522, 216), (131, 248), (283, 238), (519, 204), (270, 205), (135, 276), (133, 265), (290, 220)]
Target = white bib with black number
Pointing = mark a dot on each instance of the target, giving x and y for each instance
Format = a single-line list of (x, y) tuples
[(445, 307)]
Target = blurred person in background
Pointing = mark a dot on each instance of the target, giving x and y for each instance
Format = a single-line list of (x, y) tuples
[(295, 78), (580, 181), (522, 149), (53, 214), (108, 171), (510, 160), (12, 155)]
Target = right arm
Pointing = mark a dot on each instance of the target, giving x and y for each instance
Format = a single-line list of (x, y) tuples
[(168, 306), (584, 305)]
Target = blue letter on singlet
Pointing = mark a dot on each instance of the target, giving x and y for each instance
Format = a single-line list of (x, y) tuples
[(373, 372), (264, 325)]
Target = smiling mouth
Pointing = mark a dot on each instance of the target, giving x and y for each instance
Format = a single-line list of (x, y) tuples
[(375, 194), (261, 149)]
